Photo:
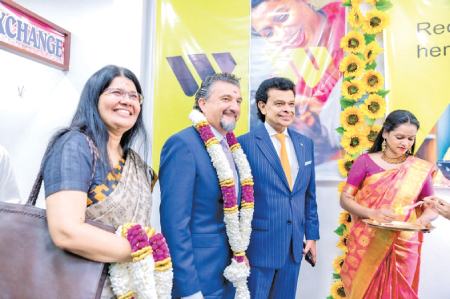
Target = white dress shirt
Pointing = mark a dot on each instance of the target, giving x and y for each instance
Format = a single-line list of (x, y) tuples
[(292, 157)]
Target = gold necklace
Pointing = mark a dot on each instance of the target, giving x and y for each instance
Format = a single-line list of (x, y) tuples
[(398, 160)]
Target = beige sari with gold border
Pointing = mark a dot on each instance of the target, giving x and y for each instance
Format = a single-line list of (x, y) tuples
[(131, 201)]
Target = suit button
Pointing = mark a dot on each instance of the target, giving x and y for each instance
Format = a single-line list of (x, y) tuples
[(289, 222), (292, 197)]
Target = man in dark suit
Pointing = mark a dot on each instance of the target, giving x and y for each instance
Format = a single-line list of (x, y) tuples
[(192, 217), (282, 163)]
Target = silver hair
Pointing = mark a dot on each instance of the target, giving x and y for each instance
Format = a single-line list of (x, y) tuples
[(205, 89)]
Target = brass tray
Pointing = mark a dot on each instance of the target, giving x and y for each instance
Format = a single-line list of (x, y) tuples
[(399, 226)]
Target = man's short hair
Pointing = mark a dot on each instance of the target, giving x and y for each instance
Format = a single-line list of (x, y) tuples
[(205, 89), (263, 90)]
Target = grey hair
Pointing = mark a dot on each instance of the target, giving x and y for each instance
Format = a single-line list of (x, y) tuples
[(205, 89)]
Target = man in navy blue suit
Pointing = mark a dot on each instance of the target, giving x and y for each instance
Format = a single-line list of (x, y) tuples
[(282, 163), (191, 199)]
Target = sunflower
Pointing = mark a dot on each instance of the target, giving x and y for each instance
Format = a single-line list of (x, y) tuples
[(344, 166), (337, 290), (338, 262), (351, 117), (352, 142), (355, 17), (371, 51), (373, 81), (353, 42), (341, 187), (345, 219), (374, 106), (375, 21), (343, 241), (370, 134), (353, 89), (352, 65)]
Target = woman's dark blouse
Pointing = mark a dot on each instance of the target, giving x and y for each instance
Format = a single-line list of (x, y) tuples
[(68, 166)]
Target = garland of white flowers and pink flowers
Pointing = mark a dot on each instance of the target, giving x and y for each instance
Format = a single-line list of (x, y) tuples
[(150, 275), (238, 223)]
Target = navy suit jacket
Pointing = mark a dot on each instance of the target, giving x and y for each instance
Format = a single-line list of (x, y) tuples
[(281, 215), (192, 216)]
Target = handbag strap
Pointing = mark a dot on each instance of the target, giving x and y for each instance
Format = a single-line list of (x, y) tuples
[(38, 182)]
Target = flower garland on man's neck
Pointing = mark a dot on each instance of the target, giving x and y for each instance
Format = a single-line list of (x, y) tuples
[(238, 223), (150, 274)]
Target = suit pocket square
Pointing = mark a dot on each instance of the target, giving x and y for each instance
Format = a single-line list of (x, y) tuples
[(307, 163)]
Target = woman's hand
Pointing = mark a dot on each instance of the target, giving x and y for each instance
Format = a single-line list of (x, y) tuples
[(438, 205), (382, 215)]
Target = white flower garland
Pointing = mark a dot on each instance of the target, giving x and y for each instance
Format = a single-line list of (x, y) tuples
[(238, 224), (139, 279)]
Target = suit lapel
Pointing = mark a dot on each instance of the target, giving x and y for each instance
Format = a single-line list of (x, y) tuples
[(300, 153), (267, 148)]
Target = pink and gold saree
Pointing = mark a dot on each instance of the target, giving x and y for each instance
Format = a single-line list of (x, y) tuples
[(382, 263)]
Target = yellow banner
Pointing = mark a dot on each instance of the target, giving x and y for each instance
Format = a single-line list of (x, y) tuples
[(418, 60), (195, 39)]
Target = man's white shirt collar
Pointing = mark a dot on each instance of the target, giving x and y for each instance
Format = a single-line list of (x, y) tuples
[(272, 131)]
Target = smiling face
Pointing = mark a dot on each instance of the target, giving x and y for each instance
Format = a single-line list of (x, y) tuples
[(279, 109), (119, 113), (288, 23), (400, 139), (223, 107)]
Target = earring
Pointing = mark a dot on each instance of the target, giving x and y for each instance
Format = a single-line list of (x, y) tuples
[(383, 146), (409, 152)]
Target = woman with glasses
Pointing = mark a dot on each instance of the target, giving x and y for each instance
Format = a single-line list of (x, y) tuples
[(114, 191)]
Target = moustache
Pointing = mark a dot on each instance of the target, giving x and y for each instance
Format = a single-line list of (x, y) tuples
[(230, 111)]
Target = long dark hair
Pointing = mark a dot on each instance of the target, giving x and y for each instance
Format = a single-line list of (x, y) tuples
[(87, 119), (393, 120)]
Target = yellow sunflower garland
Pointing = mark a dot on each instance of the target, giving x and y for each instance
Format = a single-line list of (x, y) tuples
[(375, 21), (340, 187), (353, 42), (357, 129), (344, 165), (352, 65), (338, 262), (352, 142), (372, 81), (353, 89), (355, 17), (345, 219), (374, 107), (337, 290), (352, 118), (343, 241), (371, 52), (370, 134)]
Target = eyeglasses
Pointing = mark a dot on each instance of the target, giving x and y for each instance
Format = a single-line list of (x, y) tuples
[(119, 92)]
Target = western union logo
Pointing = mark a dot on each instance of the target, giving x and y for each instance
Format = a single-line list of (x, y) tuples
[(202, 66)]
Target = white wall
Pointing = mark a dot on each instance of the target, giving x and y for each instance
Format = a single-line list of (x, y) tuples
[(109, 32), (103, 32)]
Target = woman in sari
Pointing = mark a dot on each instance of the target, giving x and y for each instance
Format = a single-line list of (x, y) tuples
[(382, 263), (118, 189)]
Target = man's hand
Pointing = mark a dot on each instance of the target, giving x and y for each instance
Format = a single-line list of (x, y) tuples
[(310, 246), (247, 262)]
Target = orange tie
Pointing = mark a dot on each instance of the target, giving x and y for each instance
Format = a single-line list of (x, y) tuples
[(284, 158)]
